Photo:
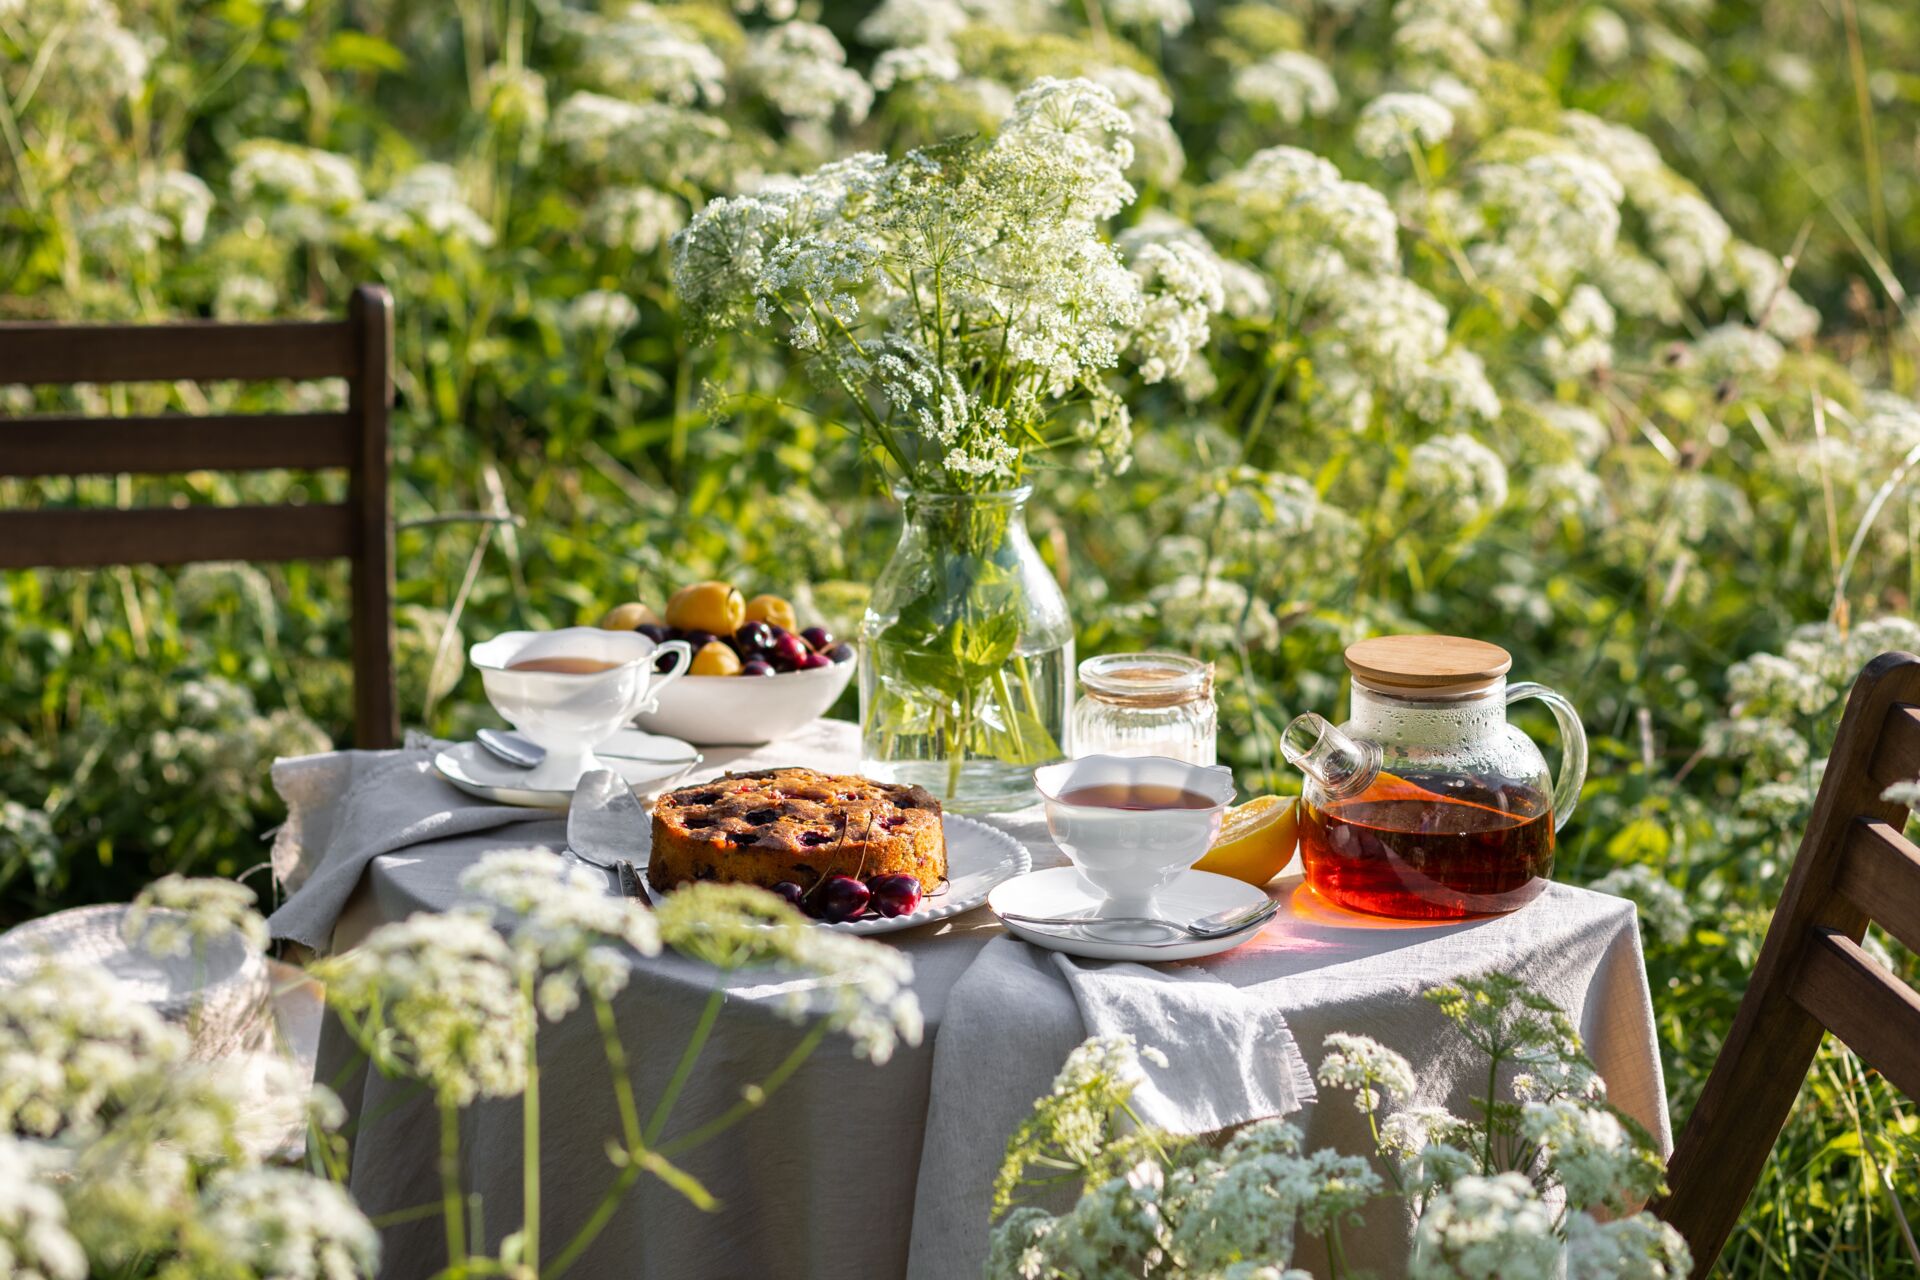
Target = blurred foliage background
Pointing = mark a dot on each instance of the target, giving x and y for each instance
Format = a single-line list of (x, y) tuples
[(1699, 529)]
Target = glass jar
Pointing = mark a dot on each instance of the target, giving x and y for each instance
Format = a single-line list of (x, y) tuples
[(966, 655), (1145, 704)]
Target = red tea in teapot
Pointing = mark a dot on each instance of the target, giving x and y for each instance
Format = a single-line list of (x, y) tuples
[(1430, 848)]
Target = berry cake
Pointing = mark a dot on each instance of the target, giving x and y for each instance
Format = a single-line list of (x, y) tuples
[(797, 827)]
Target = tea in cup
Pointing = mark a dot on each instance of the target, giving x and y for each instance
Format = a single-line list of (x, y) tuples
[(1131, 824), (570, 690)]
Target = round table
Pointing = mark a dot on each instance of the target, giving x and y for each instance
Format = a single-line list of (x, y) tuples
[(852, 1170)]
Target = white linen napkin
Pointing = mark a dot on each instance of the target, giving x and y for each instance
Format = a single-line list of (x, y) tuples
[(1231, 1058), (1009, 1023), (346, 808)]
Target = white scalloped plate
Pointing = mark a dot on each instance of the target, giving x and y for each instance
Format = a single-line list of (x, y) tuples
[(978, 858)]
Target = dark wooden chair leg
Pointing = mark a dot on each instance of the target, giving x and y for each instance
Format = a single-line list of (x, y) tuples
[(376, 714)]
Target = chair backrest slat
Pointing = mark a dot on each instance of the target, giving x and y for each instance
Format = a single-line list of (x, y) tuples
[(1880, 875), (173, 443), (187, 351), (1873, 1012), (83, 538), (1812, 976), (358, 348)]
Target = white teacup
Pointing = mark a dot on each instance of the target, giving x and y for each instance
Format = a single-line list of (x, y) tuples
[(1130, 854), (568, 714)]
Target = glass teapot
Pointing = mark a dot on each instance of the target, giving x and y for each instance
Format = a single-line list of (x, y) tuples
[(1427, 804)]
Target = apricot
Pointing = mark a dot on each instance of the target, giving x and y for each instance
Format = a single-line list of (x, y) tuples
[(627, 617), (707, 606), (715, 659), (772, 609)]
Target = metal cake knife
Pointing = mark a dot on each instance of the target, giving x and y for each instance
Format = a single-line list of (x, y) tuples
[(607, 828)]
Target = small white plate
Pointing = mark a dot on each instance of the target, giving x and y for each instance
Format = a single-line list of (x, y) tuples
[(1062, 891), (478, 772)]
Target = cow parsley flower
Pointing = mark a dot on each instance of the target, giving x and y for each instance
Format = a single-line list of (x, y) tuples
[(1294, 85), (182, 199), (1551, 216), (1157, 154), (245, 296), (268, 170), (897, 23), (1663, 908), (913, 63), (1453, 391), (1574, 429), (1580, 341), (1395, 122), (35, 1241), (1734, 352), (1079, 126), (1592, 1155), (563, 923), (1640, 1247), (801, 69), (1685, 232), (1638, 286), (1183, 293), (1484, 1228), (439, 996), (601, 311), (1480, 20), (645, 53), (124, 231), (1217, 613), (1169, 16), (640, 219), (1458, 475), (290, 1226), (1368, 1068), (638, 141), (177, 916), (71, 1039), (1605, 36), (426, 198), (861, 988)]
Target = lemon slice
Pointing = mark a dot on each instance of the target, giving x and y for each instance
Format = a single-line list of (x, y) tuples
[(1256, 840)]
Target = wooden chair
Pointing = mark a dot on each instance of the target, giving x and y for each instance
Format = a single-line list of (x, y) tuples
[(358, 348), (1812, 977)]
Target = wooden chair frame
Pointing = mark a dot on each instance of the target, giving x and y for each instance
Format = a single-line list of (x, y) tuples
[(358, 348), (1854, 866)]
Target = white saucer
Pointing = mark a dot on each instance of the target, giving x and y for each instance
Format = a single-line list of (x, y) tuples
[(1062, 891), (478, 772)]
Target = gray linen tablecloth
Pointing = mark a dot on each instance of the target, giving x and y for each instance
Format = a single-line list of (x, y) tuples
[(856, 1171)]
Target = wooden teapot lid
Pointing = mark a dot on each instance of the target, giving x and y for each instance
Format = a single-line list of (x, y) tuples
[(1431, 664)]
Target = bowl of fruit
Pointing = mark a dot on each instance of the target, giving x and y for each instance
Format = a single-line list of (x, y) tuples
[(756, 675)]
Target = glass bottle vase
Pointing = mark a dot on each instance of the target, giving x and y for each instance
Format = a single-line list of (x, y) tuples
[(966, 654)]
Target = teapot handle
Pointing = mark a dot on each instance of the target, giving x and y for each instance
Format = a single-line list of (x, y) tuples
[(1573, 746)]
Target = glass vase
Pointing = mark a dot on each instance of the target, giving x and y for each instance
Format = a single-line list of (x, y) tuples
[(966, 655)]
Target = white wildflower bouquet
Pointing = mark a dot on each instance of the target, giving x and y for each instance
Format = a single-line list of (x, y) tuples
[(962, 300), (1549, 1177)]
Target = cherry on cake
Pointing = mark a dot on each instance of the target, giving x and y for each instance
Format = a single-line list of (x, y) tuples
[(795, 826)]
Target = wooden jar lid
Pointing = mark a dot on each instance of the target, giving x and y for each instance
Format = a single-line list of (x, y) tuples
[(1432, 664)]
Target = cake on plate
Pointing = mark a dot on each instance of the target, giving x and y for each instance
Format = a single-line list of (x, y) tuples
[(795, 826)]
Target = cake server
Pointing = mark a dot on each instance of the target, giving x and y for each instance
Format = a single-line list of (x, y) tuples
[(607, 828)]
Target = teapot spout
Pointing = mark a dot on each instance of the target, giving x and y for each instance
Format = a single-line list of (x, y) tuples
[(1339, 763)]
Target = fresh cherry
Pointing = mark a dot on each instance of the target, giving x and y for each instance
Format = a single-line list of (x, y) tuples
[(787, 652), (819, 639), (663, 661), (841, 653), (755, 667), (795, 896), (697, 640), (841, 898), (895, 894), (813, 661), (753, 637), (653, 631)]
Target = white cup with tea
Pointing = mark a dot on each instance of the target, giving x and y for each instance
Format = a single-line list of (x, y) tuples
[(572, 689), (1131, 824)]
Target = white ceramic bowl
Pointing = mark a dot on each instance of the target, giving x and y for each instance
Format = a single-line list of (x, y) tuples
[(1129, 855), (717, 711)]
